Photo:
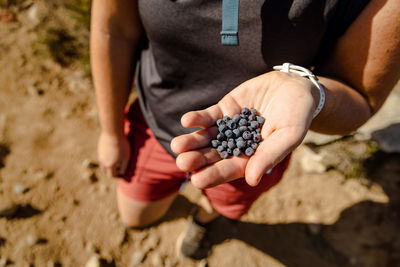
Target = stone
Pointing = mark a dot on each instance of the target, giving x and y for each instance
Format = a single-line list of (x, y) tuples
[(202, 263), (314, 228), (20, 188), (388, 138), (31, 239), (151, 243), (319, 139), (7, 208), (310, 161), (137, 258), (94, 261), (89, 175), (36, 13), (157, 260), (88, 164), (139, 237)]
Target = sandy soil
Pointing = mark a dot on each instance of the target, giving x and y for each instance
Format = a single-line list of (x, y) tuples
[(67, 212)]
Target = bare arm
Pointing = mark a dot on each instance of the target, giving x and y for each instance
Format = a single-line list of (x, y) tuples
[(115, 32), (362, 70), (359, 75)]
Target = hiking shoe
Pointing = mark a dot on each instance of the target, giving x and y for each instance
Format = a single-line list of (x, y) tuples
[(192, 242)]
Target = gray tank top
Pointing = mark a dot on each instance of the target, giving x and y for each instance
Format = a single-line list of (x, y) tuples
[(184, 67)]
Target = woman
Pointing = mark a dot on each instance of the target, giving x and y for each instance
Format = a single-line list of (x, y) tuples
[(353, 45)]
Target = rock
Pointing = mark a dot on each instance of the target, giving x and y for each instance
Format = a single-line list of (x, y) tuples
[(388, 138), (31, 239), (319, 139), (311, 162), (20, 188), (94, 261), (88, 164), (151, 243), (37, 13), (139, 237), (34, 90), (90, 176), (314, 228), (157, 260), (3, 261), (137, 258), (202, 263), (7, 207)]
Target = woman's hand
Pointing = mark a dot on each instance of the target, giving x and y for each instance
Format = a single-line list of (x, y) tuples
[(114, 154), (286, 101)]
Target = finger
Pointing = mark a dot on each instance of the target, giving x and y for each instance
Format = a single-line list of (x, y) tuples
[(192, 141), (196, 159), (270, 152), (202, 118), (221, 172)]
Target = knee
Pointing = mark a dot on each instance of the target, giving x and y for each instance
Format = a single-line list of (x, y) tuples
[(136, 220)]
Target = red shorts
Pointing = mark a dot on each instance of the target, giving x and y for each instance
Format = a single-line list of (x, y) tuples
[(153, 174)]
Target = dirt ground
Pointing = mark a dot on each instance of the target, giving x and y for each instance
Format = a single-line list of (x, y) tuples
[(66, 213)]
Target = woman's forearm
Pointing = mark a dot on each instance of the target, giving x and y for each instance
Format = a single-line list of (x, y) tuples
[(114, 41), (344, 111)]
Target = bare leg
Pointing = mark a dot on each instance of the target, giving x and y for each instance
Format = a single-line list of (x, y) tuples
[(140, 214), (205, 213)]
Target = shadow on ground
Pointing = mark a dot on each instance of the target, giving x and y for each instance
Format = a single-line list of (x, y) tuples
[(366, 234)]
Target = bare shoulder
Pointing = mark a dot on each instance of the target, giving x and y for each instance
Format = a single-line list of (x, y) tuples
[(367, 56)]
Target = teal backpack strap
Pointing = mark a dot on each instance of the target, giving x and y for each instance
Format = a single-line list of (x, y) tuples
[(230, 22)]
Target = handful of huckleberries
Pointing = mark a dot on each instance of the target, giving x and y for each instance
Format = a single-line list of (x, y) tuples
[(238, 135)]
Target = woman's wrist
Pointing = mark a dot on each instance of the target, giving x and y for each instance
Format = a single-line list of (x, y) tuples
[(316, 86)]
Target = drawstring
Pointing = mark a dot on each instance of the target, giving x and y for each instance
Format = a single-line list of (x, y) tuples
[(230, 22)]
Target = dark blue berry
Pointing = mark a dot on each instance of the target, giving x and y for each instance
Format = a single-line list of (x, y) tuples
[(245, 111), (254, 146), (236, 132), (258, 130), (215, 143), (236, 118), (252, 117), (220, 136), (249, 143), (239, 139), (229, 150), (224, 144), (222, 128), (231, 125), (231, 145), (228, 133), (257, 138), (221, 148), (226, 118), (242, 129), (260, 119), (253, 111), (224, 154), (246, 135), (243, 122), (219, 122), (254, 124), (249, 151), (237, 152), (240, 144)]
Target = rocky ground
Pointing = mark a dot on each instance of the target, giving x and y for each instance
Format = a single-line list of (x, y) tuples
[(338, 204)]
